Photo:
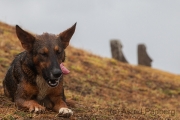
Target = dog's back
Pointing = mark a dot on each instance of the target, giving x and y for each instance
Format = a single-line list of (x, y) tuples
[(15, 73)]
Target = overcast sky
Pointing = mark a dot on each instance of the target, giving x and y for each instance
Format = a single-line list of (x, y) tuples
[(156, 23)]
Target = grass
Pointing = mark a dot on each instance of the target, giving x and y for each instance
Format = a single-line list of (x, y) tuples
[(102, 88)]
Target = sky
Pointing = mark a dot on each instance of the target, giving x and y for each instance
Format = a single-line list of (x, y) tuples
[(155, 23)]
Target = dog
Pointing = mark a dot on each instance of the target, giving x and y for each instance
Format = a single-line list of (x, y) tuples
[(34, 80)]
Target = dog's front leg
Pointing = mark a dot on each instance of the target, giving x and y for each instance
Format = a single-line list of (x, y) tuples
[(61, 107), (24, 98), (58, 98), (32, 105)]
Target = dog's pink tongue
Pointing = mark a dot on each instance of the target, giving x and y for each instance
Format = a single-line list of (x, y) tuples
[(64, 69)]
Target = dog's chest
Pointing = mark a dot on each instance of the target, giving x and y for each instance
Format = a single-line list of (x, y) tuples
[(43, 88)]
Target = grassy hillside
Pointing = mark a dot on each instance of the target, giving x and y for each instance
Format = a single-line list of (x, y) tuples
[(102, 88)]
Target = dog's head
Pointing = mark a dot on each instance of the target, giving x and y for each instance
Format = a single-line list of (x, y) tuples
[(47, 51)]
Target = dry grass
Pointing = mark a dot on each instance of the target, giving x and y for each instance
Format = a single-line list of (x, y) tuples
[(103, 88)]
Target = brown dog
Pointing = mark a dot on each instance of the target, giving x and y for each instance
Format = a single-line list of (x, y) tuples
[(34, 80)]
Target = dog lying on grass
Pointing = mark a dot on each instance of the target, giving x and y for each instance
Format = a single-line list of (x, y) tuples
[(34, 80)]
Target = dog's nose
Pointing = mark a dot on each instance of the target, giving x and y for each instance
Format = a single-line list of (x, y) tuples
[(56, 73)]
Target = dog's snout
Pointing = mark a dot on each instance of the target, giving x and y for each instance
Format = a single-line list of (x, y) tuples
[(56, 73)]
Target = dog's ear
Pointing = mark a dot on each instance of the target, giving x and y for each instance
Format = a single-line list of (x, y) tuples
[(25, 38), (66, 35)]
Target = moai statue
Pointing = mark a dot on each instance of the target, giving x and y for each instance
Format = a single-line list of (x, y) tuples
[(143, 57), (116, 51)]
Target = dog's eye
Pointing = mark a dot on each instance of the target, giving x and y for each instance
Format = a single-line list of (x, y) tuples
[(58, 52), (43, 54)]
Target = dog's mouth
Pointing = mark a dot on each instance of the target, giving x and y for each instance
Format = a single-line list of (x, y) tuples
[(54, 82)]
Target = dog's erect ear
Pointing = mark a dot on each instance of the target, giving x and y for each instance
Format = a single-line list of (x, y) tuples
[(26, 38), (66, 35)]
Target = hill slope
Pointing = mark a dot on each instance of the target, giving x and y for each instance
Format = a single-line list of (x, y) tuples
[(102, 88)]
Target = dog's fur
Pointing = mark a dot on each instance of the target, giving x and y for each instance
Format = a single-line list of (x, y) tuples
[(34, 80)]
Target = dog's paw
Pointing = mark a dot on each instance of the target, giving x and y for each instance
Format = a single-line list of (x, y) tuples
[(36, 108), (65, 112)]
